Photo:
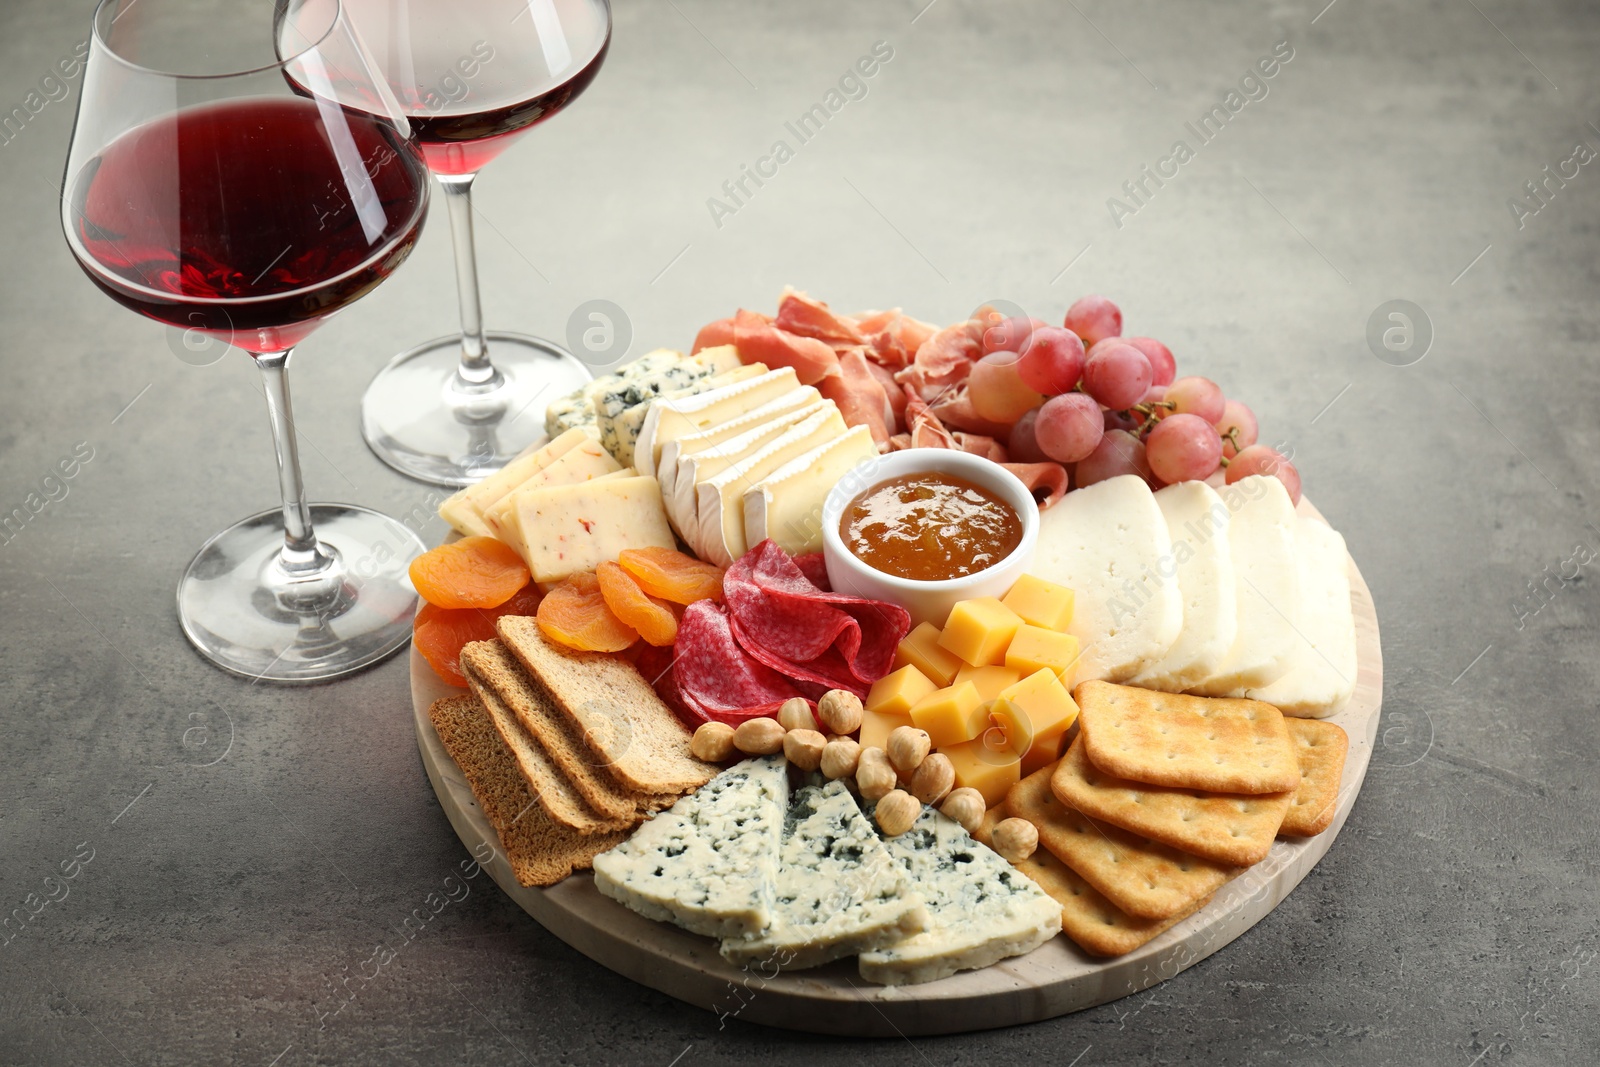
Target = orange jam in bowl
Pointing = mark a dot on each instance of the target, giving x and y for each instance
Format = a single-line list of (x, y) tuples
[(930, 527)]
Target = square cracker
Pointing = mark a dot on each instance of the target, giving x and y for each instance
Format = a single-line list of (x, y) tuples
[(1223, 745), (541, 852), (1098, 926), (1231, 828), (1144, 878), (1321, 747)]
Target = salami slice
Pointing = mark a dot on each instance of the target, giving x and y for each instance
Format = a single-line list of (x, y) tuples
[(714, 678)]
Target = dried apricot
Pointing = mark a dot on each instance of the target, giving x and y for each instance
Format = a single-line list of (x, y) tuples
[(441, 633), (575, 614), (671, 575), (474, 572), (653, 618)]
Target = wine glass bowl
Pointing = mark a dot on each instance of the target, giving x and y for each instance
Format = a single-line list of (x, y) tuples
[(214, 184)]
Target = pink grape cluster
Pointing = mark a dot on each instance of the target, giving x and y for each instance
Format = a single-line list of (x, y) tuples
[(1084, 396)]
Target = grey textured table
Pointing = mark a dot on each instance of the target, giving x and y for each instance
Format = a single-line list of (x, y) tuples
[(251, 846)]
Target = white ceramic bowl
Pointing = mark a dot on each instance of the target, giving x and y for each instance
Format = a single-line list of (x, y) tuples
[(926, 601)]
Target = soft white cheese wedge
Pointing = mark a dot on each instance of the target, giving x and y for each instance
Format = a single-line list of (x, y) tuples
[(1261, 541), (1322, 668), (787, 505), (983, 909), (838, 891), (620, 433), (719, 502), (796, 400), (1197, 523), (696, 467), (1104, 542), (668, 420), (710, 862)]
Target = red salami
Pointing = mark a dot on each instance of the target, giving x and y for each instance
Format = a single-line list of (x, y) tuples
[(714, 678)]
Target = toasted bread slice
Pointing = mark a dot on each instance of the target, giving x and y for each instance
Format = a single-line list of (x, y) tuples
[(541, 852), (616, 713)]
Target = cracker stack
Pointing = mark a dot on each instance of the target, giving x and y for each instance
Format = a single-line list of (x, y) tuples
[(1162, 798), (565, 752)]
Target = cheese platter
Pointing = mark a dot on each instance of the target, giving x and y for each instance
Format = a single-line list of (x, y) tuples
[(792, 702)]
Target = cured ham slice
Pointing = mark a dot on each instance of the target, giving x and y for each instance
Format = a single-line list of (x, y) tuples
[(923, 425), (759, 341), (979, 445), (799, 314), (944, 360), (713, 335), (905, 331), (955, 410), (892, 392), (1046, 481), (861, 397)]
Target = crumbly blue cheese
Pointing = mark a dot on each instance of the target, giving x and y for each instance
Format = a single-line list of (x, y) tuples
[(621, 389), (620, 432), (984, 910), (839, 892), (708, 863)]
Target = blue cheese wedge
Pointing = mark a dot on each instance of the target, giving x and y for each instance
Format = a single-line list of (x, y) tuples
[(984, 910), (577, 408), (620, 432), (710, 862), (838, 892)]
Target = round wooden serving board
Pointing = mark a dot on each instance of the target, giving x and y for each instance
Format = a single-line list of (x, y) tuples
[(1054, 979)]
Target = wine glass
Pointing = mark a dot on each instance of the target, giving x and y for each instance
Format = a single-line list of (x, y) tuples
[(473, 76), (207, 189)]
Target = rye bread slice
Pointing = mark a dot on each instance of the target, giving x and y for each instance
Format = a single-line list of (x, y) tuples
[(614, 709), (498, 678), (541, 852)]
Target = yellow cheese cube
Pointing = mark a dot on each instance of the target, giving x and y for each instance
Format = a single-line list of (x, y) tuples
[(921, 650), (989, 680), (893, 694), (979, 630), (1015, 725), (877, 725), (989, 769), (1041, 603), (1035, 648), (951, 715), (1047, 747), (1050, 711)]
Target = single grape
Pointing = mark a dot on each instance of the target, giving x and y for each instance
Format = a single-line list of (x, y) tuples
[(1116, 420), (1117, 376), (1051, 361), (1094, 317), (997, 393), (1010, 335), (1069, 427), (1259, 459), (1162, 365), (1237, 417), (1119, 452), (1197, 396), (1023, 446), (1183, 448)]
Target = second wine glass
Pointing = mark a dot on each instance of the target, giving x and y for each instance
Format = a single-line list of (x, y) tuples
[(474, 76)]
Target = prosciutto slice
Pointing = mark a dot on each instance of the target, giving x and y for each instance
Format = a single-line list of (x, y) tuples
[(799, 314), (760, 341), (714, 335), (1046, 481), (861, 397)]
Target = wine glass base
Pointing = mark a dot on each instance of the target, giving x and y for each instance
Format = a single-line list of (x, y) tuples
[(241, 612), (418, 422)]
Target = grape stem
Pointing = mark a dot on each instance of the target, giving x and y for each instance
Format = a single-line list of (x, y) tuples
[(1148, 414)]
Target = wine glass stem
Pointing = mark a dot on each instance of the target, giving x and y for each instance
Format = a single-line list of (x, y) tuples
[(302, 555), (475, 373)]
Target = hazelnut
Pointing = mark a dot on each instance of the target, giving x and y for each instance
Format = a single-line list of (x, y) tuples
[(804, 748), (840, 757), (796, 715), (906, 748), (758, 737), (713, 742), (840, 711), (933, 778), (1015, 839), (874, 776), (897, 811), (965, 806)]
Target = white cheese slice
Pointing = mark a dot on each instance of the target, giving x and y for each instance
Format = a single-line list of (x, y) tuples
[(570, 528), (786, 506), (1322, 669), (668, 420), (792, 403), (1261, 541), (1200, 563), (719, 503), (984, 910), (465, 510), (1103, 542), (620, 432), (838, 891), (709, 862), (696, 467), (579, 464)]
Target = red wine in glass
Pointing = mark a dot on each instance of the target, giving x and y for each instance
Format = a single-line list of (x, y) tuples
[(473, 76), (303, 250)]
